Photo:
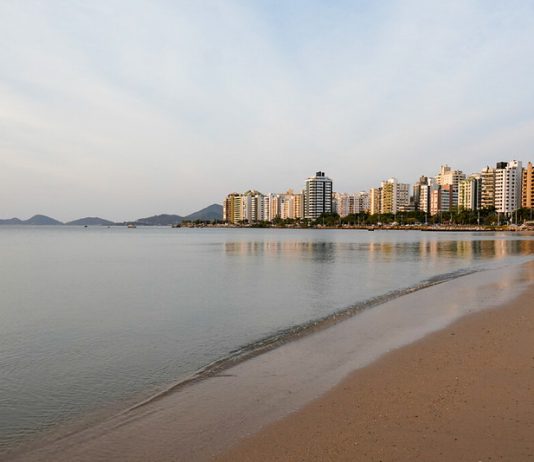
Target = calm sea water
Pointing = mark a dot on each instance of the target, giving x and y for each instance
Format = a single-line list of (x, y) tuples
[(93, 316)]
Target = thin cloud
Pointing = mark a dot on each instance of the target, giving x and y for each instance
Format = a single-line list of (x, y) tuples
[(137, 107)]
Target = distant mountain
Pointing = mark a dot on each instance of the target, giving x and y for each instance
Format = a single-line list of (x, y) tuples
[(159, 220), (210, 213), (90, 221), (11, 221), (42, 220), (35, 220)]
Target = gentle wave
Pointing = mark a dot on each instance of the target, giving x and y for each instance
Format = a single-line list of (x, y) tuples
[(297, 331)]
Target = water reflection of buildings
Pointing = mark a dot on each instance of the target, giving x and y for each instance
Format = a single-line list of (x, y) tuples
[(323, 251), (432, 249), (426, 249)]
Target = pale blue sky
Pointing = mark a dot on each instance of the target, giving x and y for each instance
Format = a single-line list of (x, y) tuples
[(126, 108)]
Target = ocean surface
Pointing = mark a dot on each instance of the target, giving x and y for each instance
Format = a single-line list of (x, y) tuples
[(92, 317)]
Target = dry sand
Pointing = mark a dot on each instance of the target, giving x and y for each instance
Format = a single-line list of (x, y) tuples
[(465, 393)]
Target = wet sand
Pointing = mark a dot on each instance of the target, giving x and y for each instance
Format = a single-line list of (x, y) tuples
[(280, 405), (465, 393)]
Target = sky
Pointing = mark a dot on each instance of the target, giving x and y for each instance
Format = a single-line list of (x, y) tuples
[(128, 108)]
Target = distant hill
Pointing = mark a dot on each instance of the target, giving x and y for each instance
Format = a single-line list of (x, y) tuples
[(90, 221), (210, 213), (159, 220), (11, 221), (35, 220)]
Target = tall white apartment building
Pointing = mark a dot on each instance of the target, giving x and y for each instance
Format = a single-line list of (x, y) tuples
[(508, 180), (424, 198), (317, 196), (252, 206), (425, 193)]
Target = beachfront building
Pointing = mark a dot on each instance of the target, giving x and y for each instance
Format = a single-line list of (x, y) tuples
[(349, 204), (449, 177), (232, 208), (527, 196), (440, 198), (291, 205), (469, 192), (267, 204), (361, 202), (244, 208), (487, 188), (395, 196), (508, 179), (317, 196), (423, 203), (416, 191), (298, 205), (435, 199), (252, 206), (375, 200), (341, 203)]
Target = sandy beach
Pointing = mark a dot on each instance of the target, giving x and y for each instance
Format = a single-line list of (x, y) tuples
[(443, 373), (465, 393)]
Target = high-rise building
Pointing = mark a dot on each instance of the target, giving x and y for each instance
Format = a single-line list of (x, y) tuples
[(487, 188), (341, 203), (291, 205), (436, 199), (423, 181), (361, 202), (375, 201), (252, 203), (248, 207), (424, 198), (232, 208), (317, 196), (527, 200), (298, 205), (448, 176), (508, 179), (469, 193), (395, 196)]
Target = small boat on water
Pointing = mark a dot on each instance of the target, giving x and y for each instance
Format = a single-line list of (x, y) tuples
[(131, 225)]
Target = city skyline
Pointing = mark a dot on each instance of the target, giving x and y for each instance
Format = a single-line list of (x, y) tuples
[(124, 109), (505, 187)]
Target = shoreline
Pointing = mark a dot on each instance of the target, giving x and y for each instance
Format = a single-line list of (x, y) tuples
[(207, 404), (462, 393)]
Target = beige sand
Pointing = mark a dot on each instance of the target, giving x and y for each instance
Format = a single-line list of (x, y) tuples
[(465, 393)]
